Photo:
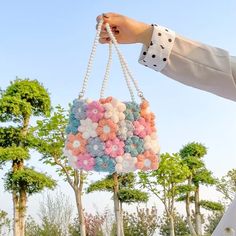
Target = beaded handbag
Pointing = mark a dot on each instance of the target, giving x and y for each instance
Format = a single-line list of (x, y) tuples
[(108, 135)]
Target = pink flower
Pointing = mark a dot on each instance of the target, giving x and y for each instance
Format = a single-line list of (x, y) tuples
[(114, 147), (85, 162), (142, 128), (95, 111)]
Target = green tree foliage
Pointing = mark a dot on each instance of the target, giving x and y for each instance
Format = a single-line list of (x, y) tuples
[(127, 189), (5, 224), (164, 183), (49, 140), (227, 185), (123, 188), (22, 100), (192, 156), (181, 226), (142, 222), (55, 213), (212, 221)]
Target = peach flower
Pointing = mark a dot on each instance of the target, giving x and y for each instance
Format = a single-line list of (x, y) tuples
[(106, 129), (147, 161), (76, 144)]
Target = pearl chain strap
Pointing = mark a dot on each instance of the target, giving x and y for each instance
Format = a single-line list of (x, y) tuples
[(124, 66)]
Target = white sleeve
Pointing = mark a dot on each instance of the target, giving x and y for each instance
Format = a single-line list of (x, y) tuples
[(191, 63)]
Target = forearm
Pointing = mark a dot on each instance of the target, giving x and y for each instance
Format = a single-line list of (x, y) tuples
[(192, 63)]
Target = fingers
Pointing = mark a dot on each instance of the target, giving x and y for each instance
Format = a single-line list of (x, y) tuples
[(110, 19), (104, 40)]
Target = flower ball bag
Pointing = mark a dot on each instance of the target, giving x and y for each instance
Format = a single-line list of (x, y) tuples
[(108, 135)]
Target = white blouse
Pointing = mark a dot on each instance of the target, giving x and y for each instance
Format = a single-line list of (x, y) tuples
[(192, 63)]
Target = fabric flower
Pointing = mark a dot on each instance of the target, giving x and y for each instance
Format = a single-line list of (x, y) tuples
[(114, 147), (85, 162), (76, 144), (79, 109), (150, 142), (134, 146), (132, 111), (88, 128), (105, 164), (95, 111), (105, 100), (147, 114), (72, 160), (115, 110), (125, 129), (141, 127), (95, 147), (147, 161), (73, 124), (106, 129), (125, 163)]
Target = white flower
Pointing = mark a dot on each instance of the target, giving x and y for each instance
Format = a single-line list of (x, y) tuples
[(125, 163), (72, 160), (125, 130), (151, 143), (114, 110), (88, 128)]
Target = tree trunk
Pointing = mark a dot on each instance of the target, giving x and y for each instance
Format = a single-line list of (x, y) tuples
[(16, 222), (190, 225), (78, 196), (117, 205), (122, 221), (22, 210), (198, 219), (171, 225), (19, 203)]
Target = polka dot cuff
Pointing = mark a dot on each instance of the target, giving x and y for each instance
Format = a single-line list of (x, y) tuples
[(157, 54)]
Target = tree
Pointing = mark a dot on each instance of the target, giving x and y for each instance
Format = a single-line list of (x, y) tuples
[(142, 222), (22, 100), (126, 193), (181, 226), (55, 213), (227, 185), (192, 155), (5, 224), (164, 183), (212, 221), (93, 224), (50, 140)]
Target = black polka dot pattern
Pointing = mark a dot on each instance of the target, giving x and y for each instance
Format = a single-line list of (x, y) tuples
[(156, 54)]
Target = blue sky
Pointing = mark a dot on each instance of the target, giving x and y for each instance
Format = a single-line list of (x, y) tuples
[(51, 41)]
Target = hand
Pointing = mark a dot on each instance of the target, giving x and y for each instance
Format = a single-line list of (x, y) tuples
[(126, 30)]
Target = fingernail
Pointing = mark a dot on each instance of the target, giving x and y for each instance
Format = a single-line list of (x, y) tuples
[(104, 15)]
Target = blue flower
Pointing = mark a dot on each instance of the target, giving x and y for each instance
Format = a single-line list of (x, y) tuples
[(73, 125), (132, 111), (95, 147), (105, 164), (79, 109), (134, 146)]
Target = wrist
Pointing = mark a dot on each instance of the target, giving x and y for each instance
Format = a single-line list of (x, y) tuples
[(145, 34)]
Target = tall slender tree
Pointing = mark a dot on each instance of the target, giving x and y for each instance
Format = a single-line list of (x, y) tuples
[(49, 139), (125, 193), (192, 155), (164, 183), (22, 100)]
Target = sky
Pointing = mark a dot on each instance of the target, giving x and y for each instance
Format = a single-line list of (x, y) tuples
[(51, 41)]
